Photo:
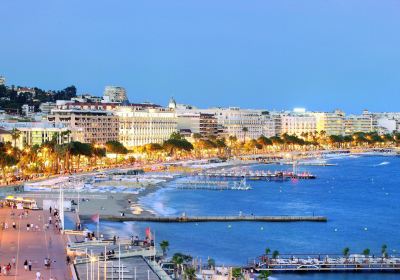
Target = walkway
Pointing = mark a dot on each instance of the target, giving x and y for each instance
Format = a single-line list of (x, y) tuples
[(34, 245)]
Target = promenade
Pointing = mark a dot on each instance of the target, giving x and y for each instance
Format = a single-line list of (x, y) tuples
[(31, 245)]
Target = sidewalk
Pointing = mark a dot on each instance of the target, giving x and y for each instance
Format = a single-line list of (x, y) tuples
[(34, 245)]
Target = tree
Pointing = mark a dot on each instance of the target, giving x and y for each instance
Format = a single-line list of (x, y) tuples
[(164, 246), (384, 251), (237, 273), (245, 130), (7, 159), (211, 263), (190, 273), (79, 149), (15, 134), (275, 254), (177, 260), (117, 148), (172, 145), (264, 275), (264, 141), (267, 251), (346, 252), (366, 252)]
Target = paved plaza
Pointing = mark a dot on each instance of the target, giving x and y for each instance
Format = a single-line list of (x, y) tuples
[(33, 245)]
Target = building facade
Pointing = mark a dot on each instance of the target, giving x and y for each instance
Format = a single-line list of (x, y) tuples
[(333, 123), (115, 94), (87, 126), (205, 124), (139, 126), (36, 133), (298, 123)]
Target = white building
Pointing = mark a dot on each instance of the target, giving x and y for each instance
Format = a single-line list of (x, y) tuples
[(46, 107), (139, 126), (243, 123), (333, 123), (115, 94), (298, 123), (365, 122), (37, 133), (27, 110)]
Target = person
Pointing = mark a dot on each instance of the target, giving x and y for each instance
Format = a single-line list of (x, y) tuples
[(27, 227), (30, 265), (50, 209), (38, 275), (14, 225), (50, 220), (68, 260), (13, 261), (26, 265)]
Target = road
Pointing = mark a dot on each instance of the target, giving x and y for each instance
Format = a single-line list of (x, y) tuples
[(34, 245)]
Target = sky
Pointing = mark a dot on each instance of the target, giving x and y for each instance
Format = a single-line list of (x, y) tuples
[(270, 54)]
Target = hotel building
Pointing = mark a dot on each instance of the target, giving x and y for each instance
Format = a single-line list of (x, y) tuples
[(140, 125), (87, 126)]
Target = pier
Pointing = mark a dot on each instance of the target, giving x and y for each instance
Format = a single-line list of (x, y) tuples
[(260, 175), (198, 219), (325, 263)]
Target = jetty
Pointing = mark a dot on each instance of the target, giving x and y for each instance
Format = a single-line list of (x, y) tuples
[(327, 263), (257, 175), (214, 185), (198, 219)]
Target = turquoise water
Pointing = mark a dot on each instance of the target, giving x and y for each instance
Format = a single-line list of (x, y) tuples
[(360, 197)]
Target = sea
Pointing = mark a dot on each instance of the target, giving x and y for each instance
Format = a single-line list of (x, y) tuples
[(360, 196)]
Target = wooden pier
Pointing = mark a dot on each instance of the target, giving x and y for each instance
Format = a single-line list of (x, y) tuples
[(198, 219)]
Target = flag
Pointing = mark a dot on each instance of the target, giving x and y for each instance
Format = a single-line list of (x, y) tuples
[(148, 233), (96, 218)]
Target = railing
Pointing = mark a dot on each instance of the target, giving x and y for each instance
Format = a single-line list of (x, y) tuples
[(158, 270)]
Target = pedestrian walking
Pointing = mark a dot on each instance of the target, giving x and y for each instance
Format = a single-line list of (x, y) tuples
[(26, 265), (50, 209), (14, 225), (30, 265), (38, 275), (13, 261)]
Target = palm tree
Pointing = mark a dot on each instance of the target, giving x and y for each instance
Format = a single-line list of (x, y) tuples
[(164, 246), (275, 254), (366, 252), (190, 273), (384, 251), (211, 263), (177, 260), (267, 251), (116, 148), (346, 252), (15, 134), (264, 275), (245, 130), (237, 273)]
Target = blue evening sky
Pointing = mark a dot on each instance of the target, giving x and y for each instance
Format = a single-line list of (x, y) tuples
[(319, 54)]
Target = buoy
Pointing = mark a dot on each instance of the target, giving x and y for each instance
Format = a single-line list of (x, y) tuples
[(365, 228)]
